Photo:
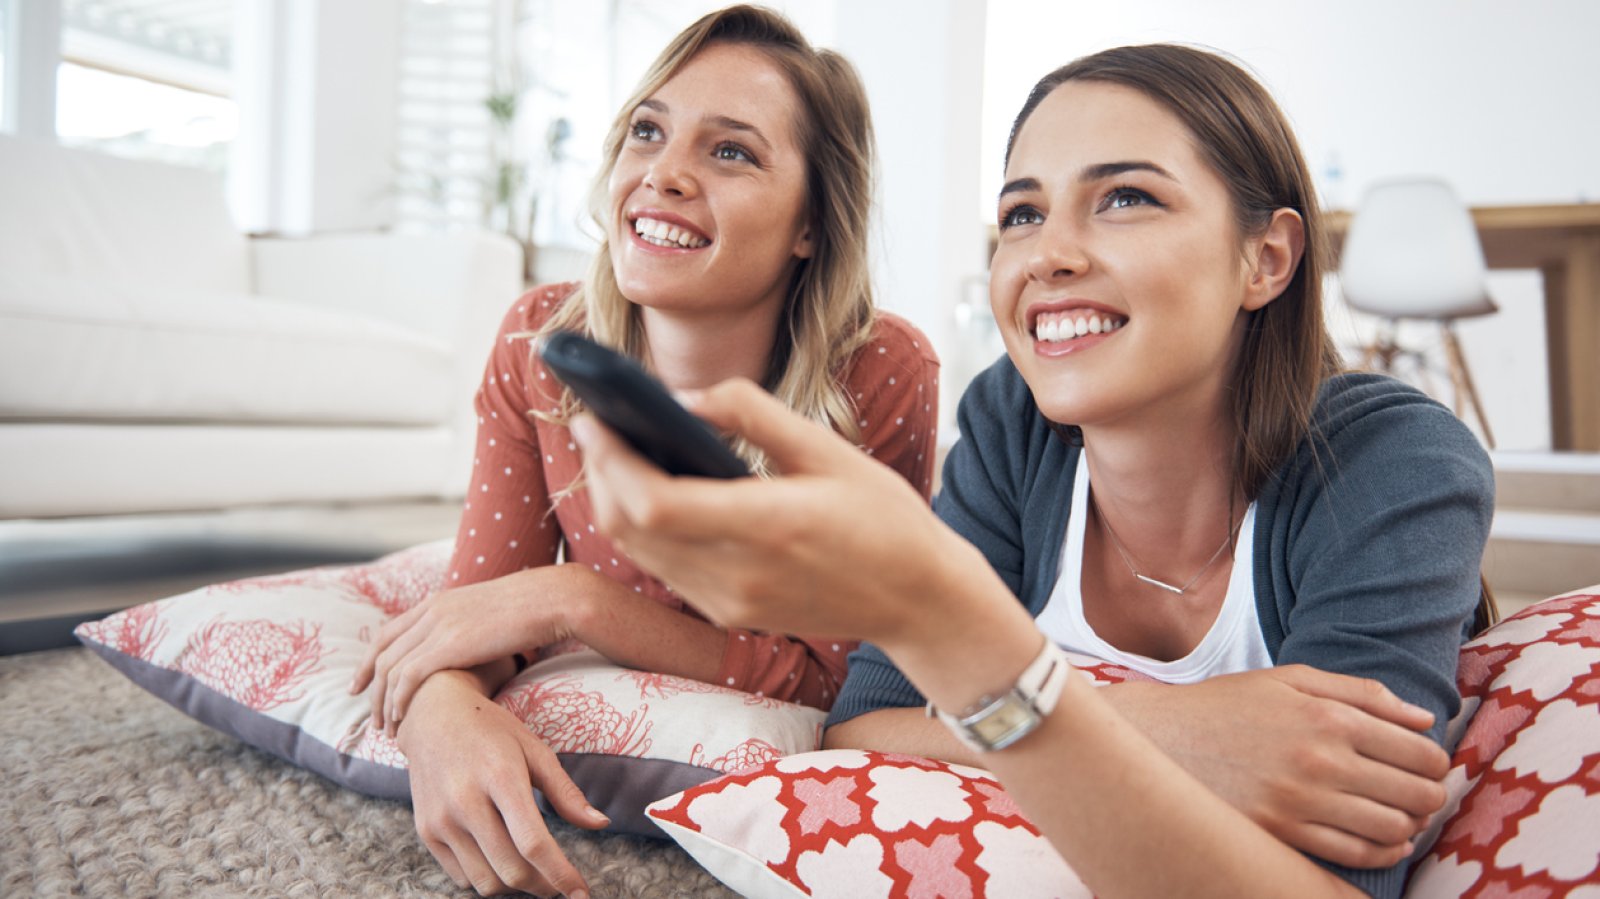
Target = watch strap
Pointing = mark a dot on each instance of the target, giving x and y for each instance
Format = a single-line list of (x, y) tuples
[(996, 721)]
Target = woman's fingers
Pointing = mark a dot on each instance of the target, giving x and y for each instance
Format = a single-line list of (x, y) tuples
[(631, 496), (489, 861), (392, 664), (523, 852), (1344, 848), (386, 635), (1368, 695), (531, 853), (553, 781), (795, 445), (523, 856), (1382, 727), (447, 860), (410, 675)]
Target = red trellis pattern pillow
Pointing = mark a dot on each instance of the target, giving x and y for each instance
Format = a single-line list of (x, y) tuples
[(1522, 820), (1524, 813), (850, 823), (269, 660)]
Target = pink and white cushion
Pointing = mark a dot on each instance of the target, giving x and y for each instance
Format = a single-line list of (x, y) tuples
[(1523, 814), (269, 660), (1522, 818), (851, 823)]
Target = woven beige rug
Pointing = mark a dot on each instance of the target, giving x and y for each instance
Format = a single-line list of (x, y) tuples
[(107, 791)]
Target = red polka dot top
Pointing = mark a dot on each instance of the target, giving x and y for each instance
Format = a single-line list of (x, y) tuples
[(510, 523)]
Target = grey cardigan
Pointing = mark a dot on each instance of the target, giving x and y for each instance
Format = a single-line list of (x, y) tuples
[(1367, 546)]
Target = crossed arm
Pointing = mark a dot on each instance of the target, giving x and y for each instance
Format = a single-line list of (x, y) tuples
[(1331, 765)]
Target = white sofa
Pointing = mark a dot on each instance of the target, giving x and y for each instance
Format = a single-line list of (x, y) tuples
[(154, 359)]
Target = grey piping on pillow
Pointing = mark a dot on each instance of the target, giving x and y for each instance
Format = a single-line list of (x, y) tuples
[(619, 786), (616, 785), (286, 741)]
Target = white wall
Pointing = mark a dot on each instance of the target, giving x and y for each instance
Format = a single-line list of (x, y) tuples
[(1497, 98), (922, 64), (315, 81)]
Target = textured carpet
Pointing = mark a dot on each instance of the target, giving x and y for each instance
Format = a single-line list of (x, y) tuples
[(107, 791)]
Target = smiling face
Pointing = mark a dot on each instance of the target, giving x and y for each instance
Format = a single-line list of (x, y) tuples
[(1120, 278), (709, 190)]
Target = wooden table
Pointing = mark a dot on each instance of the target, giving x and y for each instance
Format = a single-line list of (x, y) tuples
[(1563, 243)]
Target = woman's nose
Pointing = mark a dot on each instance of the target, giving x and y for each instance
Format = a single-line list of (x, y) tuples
[(1059, 251), (671, 172)]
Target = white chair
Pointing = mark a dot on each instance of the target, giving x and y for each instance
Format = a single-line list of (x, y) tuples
[(1412, 252)]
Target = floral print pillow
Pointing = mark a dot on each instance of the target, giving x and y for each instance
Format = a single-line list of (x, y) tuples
[(269, 660)]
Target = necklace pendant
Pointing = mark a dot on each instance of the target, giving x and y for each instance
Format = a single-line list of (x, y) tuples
[(1162, 584)]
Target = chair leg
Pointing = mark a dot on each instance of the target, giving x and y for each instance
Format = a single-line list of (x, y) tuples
[(1460, 374), (1381, 350)]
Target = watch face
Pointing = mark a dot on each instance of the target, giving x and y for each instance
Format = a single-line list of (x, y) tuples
[(1003, 720)]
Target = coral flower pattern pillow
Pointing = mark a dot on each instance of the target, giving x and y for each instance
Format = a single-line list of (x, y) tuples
[(269, 661), (1523, 815)]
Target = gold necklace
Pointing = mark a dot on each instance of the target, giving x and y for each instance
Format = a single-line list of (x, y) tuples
[(1122, 551)]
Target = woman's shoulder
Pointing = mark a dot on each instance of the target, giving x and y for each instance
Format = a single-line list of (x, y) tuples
[(535, 306), (1358, 401), (1383, 426), (894, 345)]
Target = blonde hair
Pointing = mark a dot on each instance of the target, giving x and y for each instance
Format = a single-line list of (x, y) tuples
[(828, 308)]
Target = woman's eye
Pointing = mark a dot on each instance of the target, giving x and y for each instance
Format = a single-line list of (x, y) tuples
[(1125, 197), (732, 153), (644, 130), (1021, 215)]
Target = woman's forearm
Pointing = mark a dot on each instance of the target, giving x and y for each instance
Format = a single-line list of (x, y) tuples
[(633, 630), (904, 731), (1106, 797)]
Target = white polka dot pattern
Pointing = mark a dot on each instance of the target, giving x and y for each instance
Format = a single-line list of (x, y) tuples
[(534, 458)]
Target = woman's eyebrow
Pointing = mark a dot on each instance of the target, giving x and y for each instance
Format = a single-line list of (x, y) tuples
[(1097, 172), (1019, 185), (1102, 170), (728, 123), (732, 124)]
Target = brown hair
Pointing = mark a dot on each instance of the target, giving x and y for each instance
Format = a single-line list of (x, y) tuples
[(1244, 136), (1240, 131), (828, 311)]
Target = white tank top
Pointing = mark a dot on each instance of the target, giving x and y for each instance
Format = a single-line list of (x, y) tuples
[(1233, 644)]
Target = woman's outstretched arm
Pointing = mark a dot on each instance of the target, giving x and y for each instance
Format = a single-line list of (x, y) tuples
[(839, 544)]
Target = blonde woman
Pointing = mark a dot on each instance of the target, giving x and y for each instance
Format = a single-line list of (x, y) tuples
[(734, 206)]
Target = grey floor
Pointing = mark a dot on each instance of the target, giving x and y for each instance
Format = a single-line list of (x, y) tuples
[(55, 574)]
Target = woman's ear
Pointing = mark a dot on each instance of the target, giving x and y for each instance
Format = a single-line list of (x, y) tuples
[(803, 246), (1275, 258)]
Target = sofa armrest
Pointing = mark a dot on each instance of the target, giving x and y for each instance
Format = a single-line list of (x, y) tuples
[(453, 287)]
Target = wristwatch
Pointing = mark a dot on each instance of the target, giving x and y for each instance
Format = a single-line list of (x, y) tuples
[(995, 722)]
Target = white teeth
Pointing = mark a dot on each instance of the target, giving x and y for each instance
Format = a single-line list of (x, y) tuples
[(662, 234), (1055, 327)]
